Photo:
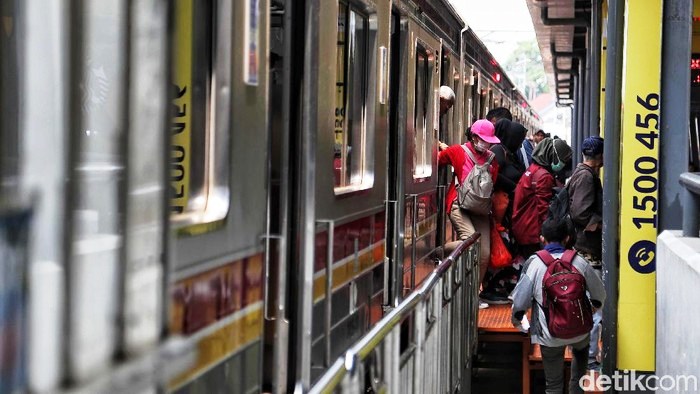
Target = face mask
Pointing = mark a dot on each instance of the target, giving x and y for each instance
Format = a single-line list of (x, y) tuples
[(482, 146), (560, 164), (558, 167)]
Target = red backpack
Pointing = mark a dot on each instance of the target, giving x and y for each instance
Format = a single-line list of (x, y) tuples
[(565, 303)]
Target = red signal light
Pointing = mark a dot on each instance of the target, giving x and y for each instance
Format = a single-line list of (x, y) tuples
[(496, 77)]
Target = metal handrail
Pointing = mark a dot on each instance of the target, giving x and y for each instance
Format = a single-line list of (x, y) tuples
[(366, 345), (691, 203)]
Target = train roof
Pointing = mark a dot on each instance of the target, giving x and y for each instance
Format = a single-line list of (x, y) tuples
[(440, 17)]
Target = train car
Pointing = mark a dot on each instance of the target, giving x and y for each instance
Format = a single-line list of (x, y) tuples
[(227, 194)]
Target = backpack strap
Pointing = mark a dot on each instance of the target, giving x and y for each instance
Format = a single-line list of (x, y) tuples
[(490, 159), (469, 153), (545, 256), (568, 256), (473, 159), (567, 259)]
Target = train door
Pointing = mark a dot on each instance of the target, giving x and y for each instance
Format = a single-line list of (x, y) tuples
[(218, 180), (445, 134), (286, 62), (420, 197), (449, 134), (339, 265), (397, 125)]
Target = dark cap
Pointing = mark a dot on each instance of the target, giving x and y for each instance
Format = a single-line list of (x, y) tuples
[(592, 146), (540, 132)]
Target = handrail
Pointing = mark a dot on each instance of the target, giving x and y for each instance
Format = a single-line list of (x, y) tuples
[(364, 347), (691, 203), (691, 181)]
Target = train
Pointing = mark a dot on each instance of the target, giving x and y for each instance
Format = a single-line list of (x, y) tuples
[(220, 195)]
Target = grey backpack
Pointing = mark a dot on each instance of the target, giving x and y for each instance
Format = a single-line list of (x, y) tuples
[(474, 194)]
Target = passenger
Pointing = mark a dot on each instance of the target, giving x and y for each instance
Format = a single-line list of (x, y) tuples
[(447, 99), (525, 152), (494, 116), (510, 169), (586, 208), (528, 294), (534, 192), (497, 114), (538, 136), (512, 135), (463, 222)]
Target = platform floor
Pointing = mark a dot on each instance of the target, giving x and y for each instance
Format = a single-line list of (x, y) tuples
[(499, 365)]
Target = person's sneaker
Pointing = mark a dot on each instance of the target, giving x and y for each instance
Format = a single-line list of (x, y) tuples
[(483, 305), (594, 366), (437, 255), (494, 298)]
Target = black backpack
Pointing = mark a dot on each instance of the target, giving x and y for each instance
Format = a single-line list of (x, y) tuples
[(559, 210)]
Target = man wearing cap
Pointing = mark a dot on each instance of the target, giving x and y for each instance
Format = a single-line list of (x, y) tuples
[(586, 208), (466, 223)]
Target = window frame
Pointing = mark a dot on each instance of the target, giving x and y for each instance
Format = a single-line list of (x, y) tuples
[(354, 115), (198, 103), (427, 142)]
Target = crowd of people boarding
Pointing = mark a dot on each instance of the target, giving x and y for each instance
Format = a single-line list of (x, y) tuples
[(505, 179)]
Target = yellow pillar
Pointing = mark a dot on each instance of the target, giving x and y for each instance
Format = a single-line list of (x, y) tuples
[(639, 184)]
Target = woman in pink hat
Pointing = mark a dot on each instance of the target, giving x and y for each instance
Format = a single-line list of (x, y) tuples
[(464, 222)]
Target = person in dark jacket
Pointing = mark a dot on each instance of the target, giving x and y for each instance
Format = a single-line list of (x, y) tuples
[(586, 209), (586, 205), (534, 192), (511, 134)]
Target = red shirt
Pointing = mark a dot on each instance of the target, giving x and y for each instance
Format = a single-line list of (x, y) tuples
[(457, 158), (532, 196)]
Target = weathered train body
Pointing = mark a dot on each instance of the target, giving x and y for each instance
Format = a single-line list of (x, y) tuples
[(241, 187)]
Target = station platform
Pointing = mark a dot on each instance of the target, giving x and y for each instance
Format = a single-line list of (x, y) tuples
[(506, 361)]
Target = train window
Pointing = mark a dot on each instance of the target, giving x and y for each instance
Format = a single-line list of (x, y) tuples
[(467, 82), (353, 138), (422, 167), (476, 97), (199, 177)]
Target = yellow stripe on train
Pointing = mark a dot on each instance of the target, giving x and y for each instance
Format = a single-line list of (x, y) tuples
[(244, 328), (423, 227), (348, 268)]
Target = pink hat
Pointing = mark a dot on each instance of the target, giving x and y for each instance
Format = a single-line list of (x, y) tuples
[(485, 130)]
